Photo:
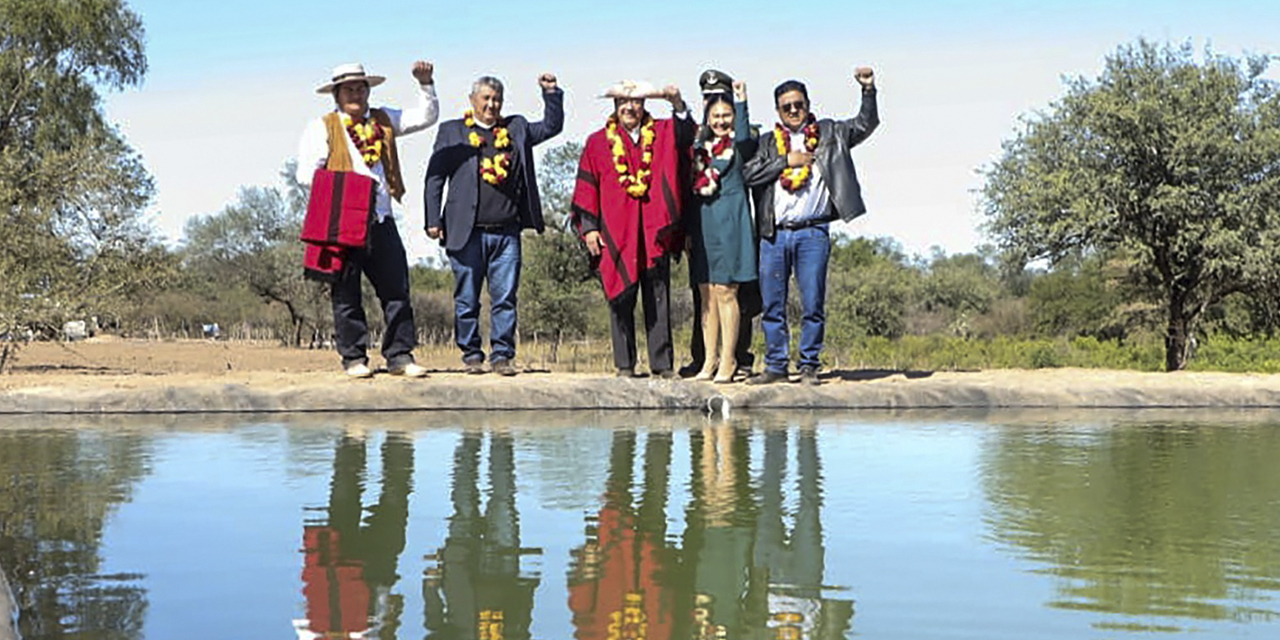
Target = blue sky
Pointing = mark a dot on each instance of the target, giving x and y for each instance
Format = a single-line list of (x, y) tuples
[(230, 86)]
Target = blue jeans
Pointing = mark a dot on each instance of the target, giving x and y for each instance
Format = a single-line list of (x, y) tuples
[(804, 252), (494, 257)]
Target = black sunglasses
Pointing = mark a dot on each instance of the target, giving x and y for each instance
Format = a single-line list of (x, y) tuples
[(797, 105)]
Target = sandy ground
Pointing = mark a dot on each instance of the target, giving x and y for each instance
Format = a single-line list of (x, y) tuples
[(114, 376), (114, 356)]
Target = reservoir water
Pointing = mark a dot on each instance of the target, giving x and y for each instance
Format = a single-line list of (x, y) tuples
[(552, 525)]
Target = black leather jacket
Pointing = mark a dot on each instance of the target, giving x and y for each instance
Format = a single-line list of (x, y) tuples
[(835, 139)]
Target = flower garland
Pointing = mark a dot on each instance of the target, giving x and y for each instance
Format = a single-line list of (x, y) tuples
[(706, 178), (368, 138), (637, 184), (492, 170), (795, 178)]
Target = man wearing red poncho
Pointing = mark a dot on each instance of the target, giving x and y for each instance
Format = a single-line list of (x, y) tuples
[(626, 208)]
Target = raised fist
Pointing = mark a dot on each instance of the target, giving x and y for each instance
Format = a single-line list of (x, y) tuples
[(423, 71), (547, 81), (865, 76)]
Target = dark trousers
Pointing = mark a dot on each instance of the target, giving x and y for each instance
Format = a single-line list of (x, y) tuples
[(385, 265), (653, 288), (748, 307)]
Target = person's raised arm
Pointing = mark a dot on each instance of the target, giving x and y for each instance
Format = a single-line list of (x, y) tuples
[(427, 111), (859, 127), (685, 128), (552, 111)]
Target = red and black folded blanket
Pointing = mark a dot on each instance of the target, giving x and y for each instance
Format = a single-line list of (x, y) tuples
[(338, 217)]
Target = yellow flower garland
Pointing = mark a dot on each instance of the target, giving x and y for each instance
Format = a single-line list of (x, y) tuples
[(368, 138), (794, 179), (636, 185), (496, 169)]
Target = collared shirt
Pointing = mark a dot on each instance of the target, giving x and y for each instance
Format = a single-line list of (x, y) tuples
[(313, 149), (807, 203)]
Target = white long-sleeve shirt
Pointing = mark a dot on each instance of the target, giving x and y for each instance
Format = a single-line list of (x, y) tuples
[(313, 149)]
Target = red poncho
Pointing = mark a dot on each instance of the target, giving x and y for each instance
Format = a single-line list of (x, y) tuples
[(637, 232)]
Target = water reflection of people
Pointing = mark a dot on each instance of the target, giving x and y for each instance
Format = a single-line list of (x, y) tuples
[(719, 536), (476, 590), (349, 568), (789, 568), (621, 581)]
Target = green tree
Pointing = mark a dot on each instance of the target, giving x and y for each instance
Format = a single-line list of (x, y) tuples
[(869, 290), (71, 190), (557, 293), (1076, 299), (254, 242), (1169, 159), (960, 287)]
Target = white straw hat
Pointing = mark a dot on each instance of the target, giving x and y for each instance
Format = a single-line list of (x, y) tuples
[(632, 89), (347, 73)]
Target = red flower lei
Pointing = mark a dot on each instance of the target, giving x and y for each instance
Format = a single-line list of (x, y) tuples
[(706, 178), (368, 138), (794, 179), (492, 170)]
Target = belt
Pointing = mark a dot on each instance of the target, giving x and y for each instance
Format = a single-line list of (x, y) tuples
[(803, 224), (501, 227)]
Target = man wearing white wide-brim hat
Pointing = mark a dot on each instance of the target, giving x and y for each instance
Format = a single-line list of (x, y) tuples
[(354, 137), (626, 208)]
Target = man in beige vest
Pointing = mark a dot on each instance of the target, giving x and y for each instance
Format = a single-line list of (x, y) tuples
[(354, 137)]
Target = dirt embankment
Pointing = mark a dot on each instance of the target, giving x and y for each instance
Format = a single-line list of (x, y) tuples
[(114, 376)]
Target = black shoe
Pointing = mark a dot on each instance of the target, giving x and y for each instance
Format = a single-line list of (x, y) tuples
[(809, 376), (473, 367), (743, 373), (626, 372), (665, 374), (504, 368), (769, 377), (690, 370)]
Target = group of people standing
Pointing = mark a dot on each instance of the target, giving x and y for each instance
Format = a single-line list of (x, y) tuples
[(750, 210)]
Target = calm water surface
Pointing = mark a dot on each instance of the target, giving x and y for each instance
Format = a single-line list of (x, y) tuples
[(643, 526)]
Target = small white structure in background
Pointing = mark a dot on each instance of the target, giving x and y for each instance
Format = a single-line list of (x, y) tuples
[(75, 330), (211, 331)]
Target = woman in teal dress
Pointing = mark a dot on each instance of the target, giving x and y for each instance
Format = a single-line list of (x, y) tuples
[(721, 229)]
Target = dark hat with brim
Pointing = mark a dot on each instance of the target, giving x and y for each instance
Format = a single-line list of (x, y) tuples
[(713, 81)]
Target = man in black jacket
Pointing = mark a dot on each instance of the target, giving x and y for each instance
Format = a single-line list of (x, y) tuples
[(487, 162), (802, 179)]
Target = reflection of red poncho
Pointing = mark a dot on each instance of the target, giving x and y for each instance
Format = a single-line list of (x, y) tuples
[(336, 593), (631, 228), (627, 583)]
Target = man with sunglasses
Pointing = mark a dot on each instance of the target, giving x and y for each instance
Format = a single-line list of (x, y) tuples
[(802, 179)]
